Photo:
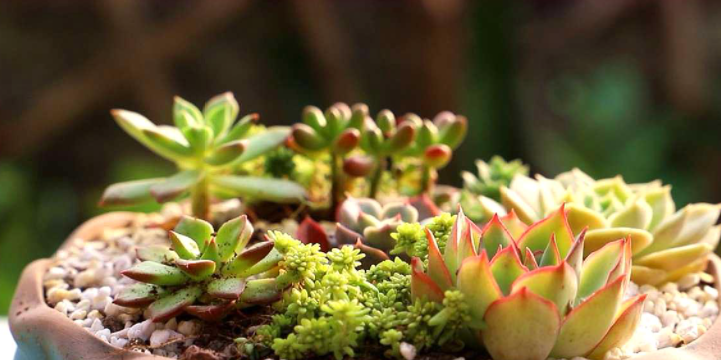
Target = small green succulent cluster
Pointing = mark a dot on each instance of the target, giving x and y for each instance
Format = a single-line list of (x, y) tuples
[(481, 194), (206, 146), (333, 307), (205, 274), (357, 146)]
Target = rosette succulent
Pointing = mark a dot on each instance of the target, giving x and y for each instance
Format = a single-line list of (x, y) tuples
[(372, 223), (205, 145), (667, 244), (492, 176), (336, 133), (205, 274), (534, 296)]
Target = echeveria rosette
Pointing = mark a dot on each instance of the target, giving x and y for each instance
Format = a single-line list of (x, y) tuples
[(334, 133), (205, 145), (205, 274), (667, 244), (368, 225), (381, 139), (539, 283), (434, 143)]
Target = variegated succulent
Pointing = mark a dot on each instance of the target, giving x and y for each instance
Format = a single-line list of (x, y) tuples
[(335, 133), (372, 223), (205, 145), (667, 244), (205, 274), (534, 296)]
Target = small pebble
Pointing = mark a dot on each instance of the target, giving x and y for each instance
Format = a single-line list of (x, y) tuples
[(408, 351)]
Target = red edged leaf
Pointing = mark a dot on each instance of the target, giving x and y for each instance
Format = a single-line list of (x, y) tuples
[(513, 224), (437, 269), (138, 295), (260, 291), (170, 305), (551, 256), (228, 288), (196, 269), (155, 273), (422, 286), (248, 258), (372, 255), (494, 234), (310, 232), (210, 313), (537, 235), (506, 266), (529, 260), (425, 206)]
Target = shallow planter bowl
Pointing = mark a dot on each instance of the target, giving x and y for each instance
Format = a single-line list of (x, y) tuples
[(43, 333)]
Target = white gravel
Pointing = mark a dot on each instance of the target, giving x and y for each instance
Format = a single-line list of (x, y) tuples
[(86, 276)]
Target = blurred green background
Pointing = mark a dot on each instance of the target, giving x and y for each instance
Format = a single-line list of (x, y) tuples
[(622, 86)]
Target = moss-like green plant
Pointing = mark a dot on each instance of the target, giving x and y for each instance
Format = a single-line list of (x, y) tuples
[(334, 133), (205, 145), (205, 274), (577, 304)]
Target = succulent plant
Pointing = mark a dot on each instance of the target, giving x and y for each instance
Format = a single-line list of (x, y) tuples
[(667, 244), (205, 274), (434, 143), (533, 296), (381, 139), (335, 133), (205, 146), (370, 222), (492, 176)]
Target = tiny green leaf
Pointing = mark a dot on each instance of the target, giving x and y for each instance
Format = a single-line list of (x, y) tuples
[(220, 111)]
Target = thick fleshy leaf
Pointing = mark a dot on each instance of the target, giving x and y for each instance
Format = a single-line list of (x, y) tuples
[(437, 156), (551, 255), (169, 145), (197, 229), (512, 199), (233, 236), (184, 246), (513, 224), (696, 266), (575, 255), (637, 214), (310, 232), (422, 286), (211, 251), (645, 275), (196, 269), (687, 226), (226, 288), (477, 283), (494, 234), (199, 138), (451, 253), (346, 141), (227, 153), (250, 258), (135, 124), (401, 139), (239, 130), (210, 313), (628, 317), (522, 326), (262, 143), (276, 190), (406, 212), (138, 295), (437, 270), (425, 206), (580, 217), (358, 165), (596, 239), (598, 266), (662, 205), (185, 113), (314, 118), (539, 234), (453, 132), (155, 273), (129, 192), (674, 258), (372, 255), (467, 247), (345, 236), (260, 291), (220, 111), (156, 253), (586, 325), (529, 260), (175, 185), (507, 267), (170, 305), (554, 283), (351, 209), (712, 237), (380, 236)]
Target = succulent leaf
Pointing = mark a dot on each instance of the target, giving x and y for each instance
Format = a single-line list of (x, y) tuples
[(184, 246), (263, 143), (239, 130), (155, 273), (211, 251), (175, 185), (226, 288), (156, 253), (674, 258), (210, 313), (186, 114), (196, 269), (233, 236), (248, 262), (227, 153), (598, 266), (170, 305), (537, 235), (276, 190), (628, 317), (554, 283), (138, 295), (220, 112), (422, 286), (533, 316), (311, 232), (129, 192), (197, 229), (437, 270), (167, 144), (476, 281), (495, 235), (596, 239), (260, 291), (507, 267)]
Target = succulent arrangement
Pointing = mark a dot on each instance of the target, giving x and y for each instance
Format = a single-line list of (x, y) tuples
[(205, 274), (206, 146), (509, 257)]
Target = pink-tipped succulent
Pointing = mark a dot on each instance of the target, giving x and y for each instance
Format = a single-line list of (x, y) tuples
[(205, 145), (205, 274), (533, 296), (336, 133), (434, 143), (365, 222)]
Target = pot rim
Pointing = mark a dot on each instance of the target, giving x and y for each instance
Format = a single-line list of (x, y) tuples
[(42, 332)]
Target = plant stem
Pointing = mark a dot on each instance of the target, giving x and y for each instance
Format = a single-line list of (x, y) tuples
[(426, 179), (200, 199), (377, 175)]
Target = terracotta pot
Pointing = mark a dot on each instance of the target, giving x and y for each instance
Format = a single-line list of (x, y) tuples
[(43, 333)]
